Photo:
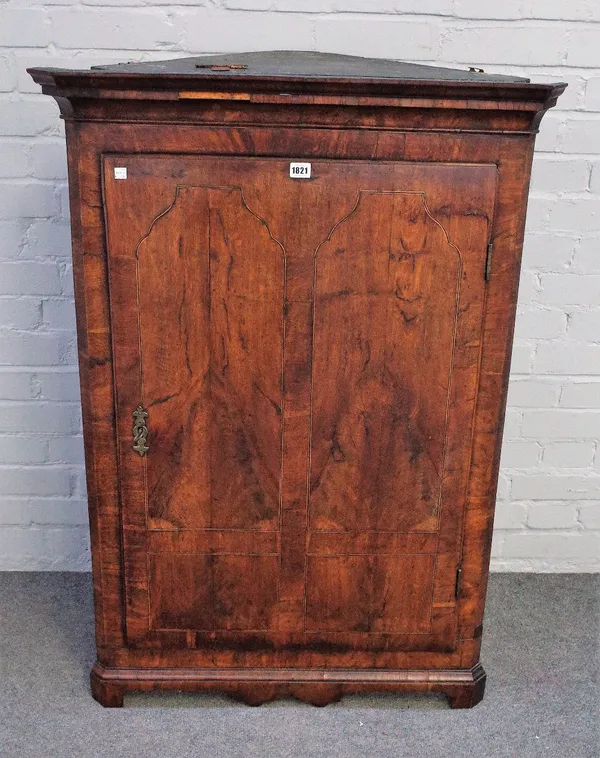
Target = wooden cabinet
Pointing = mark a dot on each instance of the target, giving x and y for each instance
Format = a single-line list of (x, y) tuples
[(293, 379)]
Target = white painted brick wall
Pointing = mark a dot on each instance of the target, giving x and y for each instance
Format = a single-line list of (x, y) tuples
[(548, 516)]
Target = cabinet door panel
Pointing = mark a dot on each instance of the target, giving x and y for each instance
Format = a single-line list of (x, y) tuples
[(308, 355)]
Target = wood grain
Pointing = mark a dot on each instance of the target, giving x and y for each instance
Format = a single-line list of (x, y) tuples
[(387, 291)]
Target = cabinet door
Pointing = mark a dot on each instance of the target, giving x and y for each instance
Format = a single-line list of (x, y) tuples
[(300, 357)]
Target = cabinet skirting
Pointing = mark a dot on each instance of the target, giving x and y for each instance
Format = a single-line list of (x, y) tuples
[(464, 688)]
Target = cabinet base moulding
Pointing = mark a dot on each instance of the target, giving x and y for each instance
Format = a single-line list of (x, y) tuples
[(464, 688)]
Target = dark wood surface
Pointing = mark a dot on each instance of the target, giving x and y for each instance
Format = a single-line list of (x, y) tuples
[(285, 73), (283, 64), (282, 370), (324, 366)]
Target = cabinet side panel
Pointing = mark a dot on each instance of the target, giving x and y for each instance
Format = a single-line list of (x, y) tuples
[(96, 379), (514, 170)]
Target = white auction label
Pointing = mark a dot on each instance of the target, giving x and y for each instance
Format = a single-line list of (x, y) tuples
[(300, 170), (120, 173)]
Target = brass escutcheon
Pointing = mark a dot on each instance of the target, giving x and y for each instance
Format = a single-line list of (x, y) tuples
[(140, 430)]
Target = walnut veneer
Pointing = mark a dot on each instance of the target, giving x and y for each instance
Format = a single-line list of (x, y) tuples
[(294, 388)]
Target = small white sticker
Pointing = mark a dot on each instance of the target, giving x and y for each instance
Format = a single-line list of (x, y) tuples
[(120, 173), (300, 170)]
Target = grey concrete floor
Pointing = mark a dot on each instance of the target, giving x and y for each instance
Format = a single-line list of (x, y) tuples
[(541, 642)]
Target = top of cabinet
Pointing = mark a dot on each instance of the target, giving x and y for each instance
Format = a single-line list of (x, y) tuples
[(284, 64), (297, 73)]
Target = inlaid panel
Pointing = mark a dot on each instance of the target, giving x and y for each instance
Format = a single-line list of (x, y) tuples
[(246, 338), (370, 593), (386, 292), (206, 592), (172, 283), (210, 293)]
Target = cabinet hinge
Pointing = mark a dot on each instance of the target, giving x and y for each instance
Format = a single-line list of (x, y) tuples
[(457, 585), (488, 262)]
